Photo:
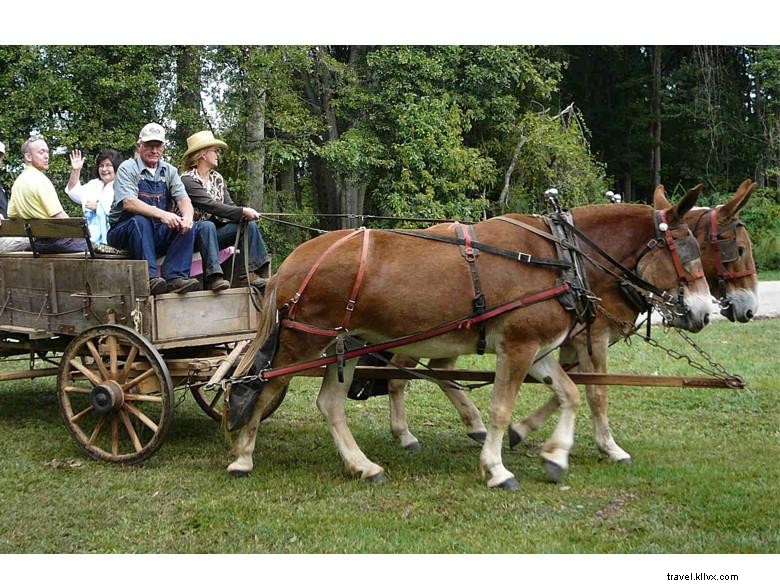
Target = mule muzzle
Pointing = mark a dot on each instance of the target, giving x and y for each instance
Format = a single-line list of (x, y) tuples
[(682, 317), (738, 308)]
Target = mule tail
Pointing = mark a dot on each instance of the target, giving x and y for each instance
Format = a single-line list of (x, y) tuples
[(240, 398)]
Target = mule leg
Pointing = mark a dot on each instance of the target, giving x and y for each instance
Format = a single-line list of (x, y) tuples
[(555, 451), (511, 367), (468, 412), (518, 432), (244, 446), (598, 398), (330, 401), (399, 424)]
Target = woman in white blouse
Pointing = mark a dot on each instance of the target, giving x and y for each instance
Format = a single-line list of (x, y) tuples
[(97, 196)]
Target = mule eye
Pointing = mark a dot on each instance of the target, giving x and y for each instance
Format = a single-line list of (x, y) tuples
[(741, 251)]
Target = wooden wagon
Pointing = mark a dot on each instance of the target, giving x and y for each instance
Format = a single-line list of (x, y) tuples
[(119, 351)]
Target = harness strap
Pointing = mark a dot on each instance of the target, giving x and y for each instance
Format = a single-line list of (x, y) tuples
[(358, 280), (518, 256), (297, 296), (463, 323), (470, 253)]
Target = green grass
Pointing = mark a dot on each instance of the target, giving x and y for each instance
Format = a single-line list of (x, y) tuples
[(769, 275), (704, 477)]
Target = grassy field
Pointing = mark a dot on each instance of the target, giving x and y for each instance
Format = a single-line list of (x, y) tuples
[(704, 478)]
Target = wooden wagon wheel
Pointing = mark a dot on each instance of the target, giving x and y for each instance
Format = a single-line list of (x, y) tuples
[(115, 394)]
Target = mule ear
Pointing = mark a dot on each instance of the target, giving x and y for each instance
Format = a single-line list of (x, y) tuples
[(659, 198), (731, 209), (685, 204)]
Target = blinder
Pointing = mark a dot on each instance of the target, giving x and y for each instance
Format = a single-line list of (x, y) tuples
[(688, 249), (729, 250)]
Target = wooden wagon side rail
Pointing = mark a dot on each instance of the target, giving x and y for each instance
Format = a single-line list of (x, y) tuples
[(388, 373)]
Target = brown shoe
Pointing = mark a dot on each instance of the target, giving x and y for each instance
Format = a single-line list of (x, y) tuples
[(158, 286), (216, 283), (252, 279), (183, 285)]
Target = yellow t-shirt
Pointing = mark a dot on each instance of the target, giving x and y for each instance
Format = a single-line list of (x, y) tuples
[(33, 196)]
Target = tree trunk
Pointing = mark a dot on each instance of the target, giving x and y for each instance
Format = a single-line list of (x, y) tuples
[(255, 155), (656, 125), (502, 198), (188, 102)]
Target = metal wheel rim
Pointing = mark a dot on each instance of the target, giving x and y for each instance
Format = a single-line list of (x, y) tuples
[(115, 355)]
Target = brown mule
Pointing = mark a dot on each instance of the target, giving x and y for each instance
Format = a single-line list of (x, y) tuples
[(413, 285), (727, 260)]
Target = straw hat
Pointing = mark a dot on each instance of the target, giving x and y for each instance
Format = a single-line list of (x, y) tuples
[(201, 140)]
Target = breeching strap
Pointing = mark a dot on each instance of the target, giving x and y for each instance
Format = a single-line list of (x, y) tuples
[(463, 323)]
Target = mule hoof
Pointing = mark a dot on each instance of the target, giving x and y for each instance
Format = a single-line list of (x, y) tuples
[(238, 473), (626, 461), (510, 485), (554, 471), (479, 437), (413, 446), (378, 478), (514, 438)]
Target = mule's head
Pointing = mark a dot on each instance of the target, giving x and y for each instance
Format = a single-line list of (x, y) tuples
[(727, 255), (672, 261)]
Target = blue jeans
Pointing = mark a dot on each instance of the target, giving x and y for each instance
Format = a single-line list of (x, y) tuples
[(54, 245), (213, 237), (147, 238)]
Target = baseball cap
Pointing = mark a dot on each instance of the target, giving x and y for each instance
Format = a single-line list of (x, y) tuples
[(151, 132), (2, 147)]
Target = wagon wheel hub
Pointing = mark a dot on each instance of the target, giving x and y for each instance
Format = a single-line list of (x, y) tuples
[(107, 397)]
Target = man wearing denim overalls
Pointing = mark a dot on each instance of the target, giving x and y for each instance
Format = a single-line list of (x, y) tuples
[(141, 219)]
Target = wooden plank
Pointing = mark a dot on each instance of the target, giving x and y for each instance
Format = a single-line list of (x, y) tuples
[(72, 227), (388, 373), (203, 314), (24, 374)]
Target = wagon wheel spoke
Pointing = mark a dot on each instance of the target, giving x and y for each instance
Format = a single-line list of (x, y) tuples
[(86, 371), (142, 398), (98, 360), (110, 414), (113, 349), (141, 416), (137, 380), (98, 429), (77, 416), (114, 434), (122, 377), (130, 430), (217, 397)]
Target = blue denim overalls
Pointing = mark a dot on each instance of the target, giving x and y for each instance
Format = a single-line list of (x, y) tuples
[(147, 238)]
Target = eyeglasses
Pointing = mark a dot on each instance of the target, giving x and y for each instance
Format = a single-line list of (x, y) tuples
[(216, 150)]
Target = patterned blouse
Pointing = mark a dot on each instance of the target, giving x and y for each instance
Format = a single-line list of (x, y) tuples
[(215, 187)]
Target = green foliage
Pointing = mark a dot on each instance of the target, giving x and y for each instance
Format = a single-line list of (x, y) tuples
[(556, 154)]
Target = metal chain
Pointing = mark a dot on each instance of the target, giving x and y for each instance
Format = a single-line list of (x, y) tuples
[(717, 371)]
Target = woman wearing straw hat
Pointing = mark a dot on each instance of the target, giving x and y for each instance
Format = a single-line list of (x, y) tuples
[(218, 216)]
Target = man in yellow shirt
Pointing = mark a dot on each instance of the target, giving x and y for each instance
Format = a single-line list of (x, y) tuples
[(33, 196)]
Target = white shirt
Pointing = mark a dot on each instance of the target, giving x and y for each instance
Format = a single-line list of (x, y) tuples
[(95, 190)]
